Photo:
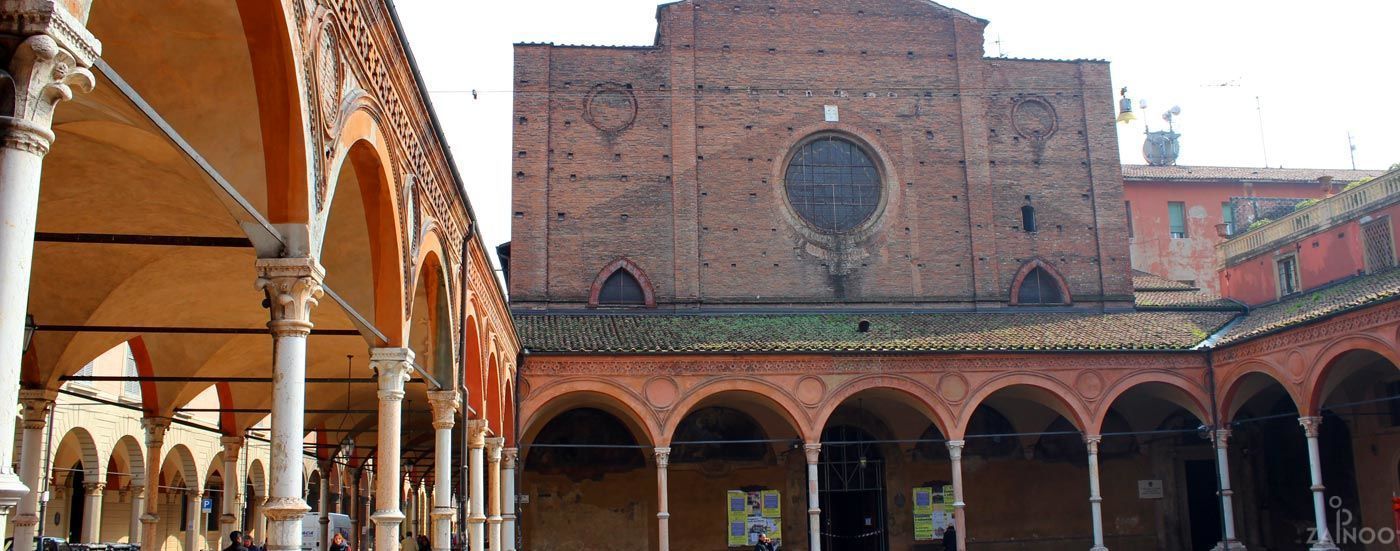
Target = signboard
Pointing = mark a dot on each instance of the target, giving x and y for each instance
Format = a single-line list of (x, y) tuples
[(751, 514), (933, 512), (206, 505), (832, 114), (1150, 489)]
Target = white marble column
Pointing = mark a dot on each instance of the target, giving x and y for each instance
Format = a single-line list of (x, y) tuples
[(258, 524), (293, 287), (814, 509), (192, 516), (394, 366), (493, 500), (1311, 426), (36, 407), (138, 506), (155, 441), (476, 515), (508, 459), (367, 529), (663, 508), (1095, 497), (323, 503), (955, 449), (1227, 505), (92, 512), (49, 53), (445, 405), (233, 512)]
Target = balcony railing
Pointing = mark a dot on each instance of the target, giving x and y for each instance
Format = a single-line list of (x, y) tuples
[(1328, 212)]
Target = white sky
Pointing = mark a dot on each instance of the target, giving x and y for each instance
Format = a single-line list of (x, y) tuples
[(1319, 69)]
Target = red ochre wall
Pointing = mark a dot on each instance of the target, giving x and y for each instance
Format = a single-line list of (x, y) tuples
[(1192, 258), (1323, 258)]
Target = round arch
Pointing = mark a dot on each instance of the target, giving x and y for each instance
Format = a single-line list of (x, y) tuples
[(257, 477), (904, 390), (78, 446), (1171, 387), (133, 455), (491, 402), (547, 403), (1326, 373), (473, 374), (281, 113), (1038, 389), (430, 319), (1245, 382), (755, 397), (181, 459)]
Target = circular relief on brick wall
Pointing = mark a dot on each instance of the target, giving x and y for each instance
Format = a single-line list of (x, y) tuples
[(810, 390), (952, 387), (1089, 384), (661, 392), (1034, 118), (1296, 367), (610, 107)]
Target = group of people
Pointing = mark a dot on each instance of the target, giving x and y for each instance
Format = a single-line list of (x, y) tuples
[(411, 542), (238, 541)]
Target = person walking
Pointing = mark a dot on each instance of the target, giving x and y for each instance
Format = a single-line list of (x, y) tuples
[(765, 544), (950, 539), (338, 542), (409, 542), (235, 541)]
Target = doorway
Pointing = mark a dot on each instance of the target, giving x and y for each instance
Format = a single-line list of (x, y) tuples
[(77, 494), (852, 478), (1201, 487)]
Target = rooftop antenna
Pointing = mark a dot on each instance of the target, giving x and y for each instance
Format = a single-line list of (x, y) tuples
[(1161, 148), (1000, 53), (1351, 145), (1263, 142)]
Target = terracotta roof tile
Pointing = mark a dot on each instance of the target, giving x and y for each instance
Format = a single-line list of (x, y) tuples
[(905, 332), (1348, 295), (1148, 172), (1143, 281)]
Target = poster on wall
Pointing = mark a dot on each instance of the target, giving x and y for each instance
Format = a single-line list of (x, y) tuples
[(933, 512), (753, 513)]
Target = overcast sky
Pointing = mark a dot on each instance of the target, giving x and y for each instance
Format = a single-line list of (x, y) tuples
[(1319, 71)]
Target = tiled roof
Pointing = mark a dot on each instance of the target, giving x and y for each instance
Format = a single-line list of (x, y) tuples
[(903, 332), (1184, 300), (1148, 172), (1349, 295), (1143, 281)]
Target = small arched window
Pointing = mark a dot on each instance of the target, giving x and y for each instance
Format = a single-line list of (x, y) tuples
[(1039, 287), (621, 289), (1028, 219)]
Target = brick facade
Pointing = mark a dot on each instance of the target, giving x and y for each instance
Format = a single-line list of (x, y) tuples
[(678, 163)]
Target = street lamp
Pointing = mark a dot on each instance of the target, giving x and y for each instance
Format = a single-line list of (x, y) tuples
[(29, 328)]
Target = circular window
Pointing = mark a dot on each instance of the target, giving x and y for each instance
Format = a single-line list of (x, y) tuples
[(833, 184)]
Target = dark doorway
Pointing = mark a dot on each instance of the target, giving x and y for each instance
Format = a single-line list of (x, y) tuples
[(1204, 510), (76, 496), (852, 472)]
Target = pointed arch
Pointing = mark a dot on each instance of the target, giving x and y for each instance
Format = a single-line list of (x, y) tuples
[(1043, 277), (628, 268)]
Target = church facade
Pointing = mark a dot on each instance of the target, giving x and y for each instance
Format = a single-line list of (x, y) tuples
[(824, 270)]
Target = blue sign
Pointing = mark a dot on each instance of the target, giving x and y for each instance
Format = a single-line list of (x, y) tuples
[(206, 505)]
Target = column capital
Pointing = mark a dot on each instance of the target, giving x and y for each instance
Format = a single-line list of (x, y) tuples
[(1222, 437), (955, 449), (813, 452), (476, 433), (445, 404), (94, 489), (1093, 441), (663, 457), (155, 430), (1311, 425), (36, 405), (194, 492), (510, 455), (293, 288), (285, 508), (394, 366), (493, 449), (232, 445), (50, 55)]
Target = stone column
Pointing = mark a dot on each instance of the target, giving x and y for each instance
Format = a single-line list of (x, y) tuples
[(192, 514), (233, 490), (1323, 541), (92, 512), (1227, 505), (476, 519), (323, 503), (663, 508), (955, 449), (292, 286), (445, 405), (1095, 498), (258, 524), (37, 404), (138, 506), (50, 52), (493, 501), (394, 366), (814, 509), (155, 440), (508, 458)]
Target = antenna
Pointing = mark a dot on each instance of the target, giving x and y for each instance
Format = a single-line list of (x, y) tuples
[(1263, 142), (1000, 53), (1351, 145)]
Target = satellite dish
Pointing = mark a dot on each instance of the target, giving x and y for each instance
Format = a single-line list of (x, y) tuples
[(1176, 110)]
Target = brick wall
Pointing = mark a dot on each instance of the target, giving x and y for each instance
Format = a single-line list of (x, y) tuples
[(678, 165)]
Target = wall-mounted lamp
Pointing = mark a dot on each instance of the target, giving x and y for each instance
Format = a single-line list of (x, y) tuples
[(29, 328)]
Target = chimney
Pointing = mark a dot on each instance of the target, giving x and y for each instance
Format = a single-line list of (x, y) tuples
[(1325, 182)]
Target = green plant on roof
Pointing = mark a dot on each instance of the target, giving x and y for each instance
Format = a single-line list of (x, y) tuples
[(1359, 182), (1259, 224), (1198, 334), (1305, 203)]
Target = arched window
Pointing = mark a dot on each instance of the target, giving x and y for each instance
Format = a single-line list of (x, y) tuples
[(1039, 287), (1028, 218), (621, 289)]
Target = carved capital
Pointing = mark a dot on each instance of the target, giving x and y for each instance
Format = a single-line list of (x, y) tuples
[(1311, 425), (293, 288), (955, 449), (36, 407), (476, 433), (394, 366), (663, 457), (813, 451), (510, 455), (1222, 438), (94, 489), (41, 73), (445, 404), (493, 449), (285, 508), (1093, 441), (155, 430), (232, 445)]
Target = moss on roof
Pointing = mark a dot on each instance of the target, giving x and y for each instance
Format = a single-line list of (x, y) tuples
[(1348, 295)]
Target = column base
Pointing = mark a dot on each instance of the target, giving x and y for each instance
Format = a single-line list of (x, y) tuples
[(1326, 546), (1230, 545), (1098, 548), (12, 489)]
